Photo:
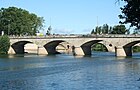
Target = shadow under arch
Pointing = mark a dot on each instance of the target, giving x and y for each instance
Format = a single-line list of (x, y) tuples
[(128, 47), (132, 43), (51, 46), (86, 47), (19, 46)]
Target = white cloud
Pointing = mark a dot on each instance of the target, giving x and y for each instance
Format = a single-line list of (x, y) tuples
[(86, 31), (63, 31)]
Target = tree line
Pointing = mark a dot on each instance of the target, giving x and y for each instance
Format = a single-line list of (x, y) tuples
[(106, 29), (17, 21)]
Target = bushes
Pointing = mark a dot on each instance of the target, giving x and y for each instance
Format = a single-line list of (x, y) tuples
[(99, 47), (4, 44), (136, 49)]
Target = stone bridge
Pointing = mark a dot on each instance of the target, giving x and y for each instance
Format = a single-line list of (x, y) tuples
[(80, 45)]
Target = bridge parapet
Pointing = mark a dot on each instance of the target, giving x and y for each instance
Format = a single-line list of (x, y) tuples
[(82, 36)]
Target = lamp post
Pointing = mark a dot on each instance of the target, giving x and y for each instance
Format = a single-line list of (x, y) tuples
[(1, 23), (8, 27)]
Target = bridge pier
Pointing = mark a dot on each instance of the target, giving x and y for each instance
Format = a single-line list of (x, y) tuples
[(78, 51), (11, 51), (16, 49), (110, 48), (81, 51), (42, 51), (123, 51), (86, 50)]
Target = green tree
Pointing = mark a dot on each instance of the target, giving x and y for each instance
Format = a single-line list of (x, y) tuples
[(110, 30), (49, 30), (105, 29), (131, 13), (17, 21), (4, 44), (99, 47), (119, 29), (136, 49), (98, 30), (93, 31)]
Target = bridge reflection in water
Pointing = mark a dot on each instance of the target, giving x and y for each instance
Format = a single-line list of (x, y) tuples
[(78, 45)]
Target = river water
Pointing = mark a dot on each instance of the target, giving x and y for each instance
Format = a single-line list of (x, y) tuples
[(101, 71)]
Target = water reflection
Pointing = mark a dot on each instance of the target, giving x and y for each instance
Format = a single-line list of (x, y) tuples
[(79, 56), (66, 72), (121, 58), (20, 67), (20, 84)]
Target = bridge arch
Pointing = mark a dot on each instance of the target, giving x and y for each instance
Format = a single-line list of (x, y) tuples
[(132, 43), (109, 46), (18, 47), (51, 46), (61, 47), (85, 48), (128, 47)]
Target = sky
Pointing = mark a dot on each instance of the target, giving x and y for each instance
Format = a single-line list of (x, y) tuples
[(70, 16)]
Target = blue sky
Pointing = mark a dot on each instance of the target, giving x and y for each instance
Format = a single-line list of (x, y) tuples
[(70, 16)]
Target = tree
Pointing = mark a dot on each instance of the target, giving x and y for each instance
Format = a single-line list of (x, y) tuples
[(4, 44), (119, 29), (99, 47), (17, 21), (49, 30), (93, 31), (105, 29), (131, 13), (98, 30)]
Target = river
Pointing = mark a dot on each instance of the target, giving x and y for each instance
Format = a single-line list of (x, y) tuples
[(101, 71)]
